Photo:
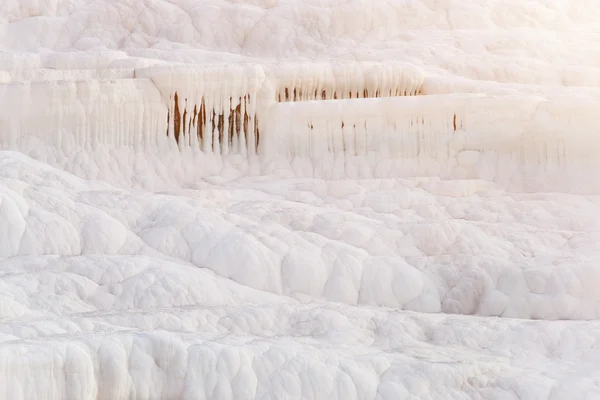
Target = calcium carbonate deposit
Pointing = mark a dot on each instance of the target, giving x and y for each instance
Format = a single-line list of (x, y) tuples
[(317, 199)]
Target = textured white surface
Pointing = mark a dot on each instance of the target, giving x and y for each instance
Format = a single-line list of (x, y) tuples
[(423, 245)]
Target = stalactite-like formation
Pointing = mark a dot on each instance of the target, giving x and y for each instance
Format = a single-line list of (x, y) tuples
[(346, 81), (230, 128), (218, 108), (395, 128), (335, 94)]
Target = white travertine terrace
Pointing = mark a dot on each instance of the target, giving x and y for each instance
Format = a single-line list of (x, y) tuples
[(226, 109), (214, 107), (325, 199)]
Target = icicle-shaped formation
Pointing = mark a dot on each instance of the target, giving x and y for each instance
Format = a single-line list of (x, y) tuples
[(388, 128), (213, 107), (405, 134), (218, 107), (226, 126), (75, 115), (332, 81)]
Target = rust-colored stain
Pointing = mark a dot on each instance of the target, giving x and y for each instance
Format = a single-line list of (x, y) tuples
[(195, 119), (176, 118)]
